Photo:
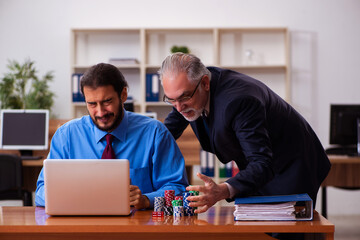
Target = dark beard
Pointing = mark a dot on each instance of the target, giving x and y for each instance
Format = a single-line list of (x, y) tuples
[(116, 123)]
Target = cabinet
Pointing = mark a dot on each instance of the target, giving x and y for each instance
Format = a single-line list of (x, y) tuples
[(259, 52)]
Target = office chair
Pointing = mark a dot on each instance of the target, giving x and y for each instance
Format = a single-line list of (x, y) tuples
[(11, 180)]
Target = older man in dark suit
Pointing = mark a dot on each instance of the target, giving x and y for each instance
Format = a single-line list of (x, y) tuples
[(239, 118)]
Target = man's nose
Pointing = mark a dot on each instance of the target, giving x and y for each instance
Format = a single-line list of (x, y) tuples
[(100, 110), (179, 106)]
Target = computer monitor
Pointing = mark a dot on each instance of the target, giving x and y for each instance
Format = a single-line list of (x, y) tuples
[(24, 130), (344, 125)]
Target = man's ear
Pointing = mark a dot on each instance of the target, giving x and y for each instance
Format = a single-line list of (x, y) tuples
[(206, 83), (124, 95)]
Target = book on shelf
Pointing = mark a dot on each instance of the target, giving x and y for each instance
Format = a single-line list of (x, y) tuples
[(207, 166), (295, 207), (234, 169), (123, 61), (77, 95), (225, 169), (152, 87), (207, 162)]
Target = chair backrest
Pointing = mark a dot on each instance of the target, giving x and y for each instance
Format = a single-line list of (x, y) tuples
[(10, 173)]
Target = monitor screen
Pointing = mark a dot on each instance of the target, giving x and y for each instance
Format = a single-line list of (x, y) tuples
[(343, 124), (24, 129)]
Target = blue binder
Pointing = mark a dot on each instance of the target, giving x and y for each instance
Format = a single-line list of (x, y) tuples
[(304, 203), (152, 87), (77, 96), (274, 199)]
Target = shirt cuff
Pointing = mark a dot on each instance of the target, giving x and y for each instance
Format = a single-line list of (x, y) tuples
[(232, 190)]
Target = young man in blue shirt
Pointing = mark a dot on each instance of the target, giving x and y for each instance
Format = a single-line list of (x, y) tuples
[(156, 163)]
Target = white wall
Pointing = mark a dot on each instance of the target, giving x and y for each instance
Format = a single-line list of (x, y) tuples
[(325, 37)]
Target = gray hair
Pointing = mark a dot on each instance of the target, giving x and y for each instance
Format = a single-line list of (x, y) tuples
[(184, 63)]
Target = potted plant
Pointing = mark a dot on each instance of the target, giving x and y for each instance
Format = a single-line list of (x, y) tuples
[(182, 49), (21, 88)]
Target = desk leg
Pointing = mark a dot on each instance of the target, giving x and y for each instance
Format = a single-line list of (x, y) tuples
[(323, 202)]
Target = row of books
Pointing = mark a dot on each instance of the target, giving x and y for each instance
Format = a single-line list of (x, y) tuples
[(207, 166)]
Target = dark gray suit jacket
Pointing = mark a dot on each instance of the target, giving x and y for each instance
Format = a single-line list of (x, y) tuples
[(274, 147)]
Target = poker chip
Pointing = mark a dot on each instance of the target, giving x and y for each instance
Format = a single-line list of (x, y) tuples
[(195, 193), (178, 211), (177, 203), (169, 197), (168, 210), (159, 203), (189, 211), (185, 201)]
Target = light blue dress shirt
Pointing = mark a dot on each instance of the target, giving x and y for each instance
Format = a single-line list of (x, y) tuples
[(156, 163)]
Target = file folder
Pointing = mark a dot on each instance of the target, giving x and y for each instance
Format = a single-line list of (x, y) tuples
[(271, 207)]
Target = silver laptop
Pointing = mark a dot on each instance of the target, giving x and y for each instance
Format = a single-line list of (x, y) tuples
[(87, 187)]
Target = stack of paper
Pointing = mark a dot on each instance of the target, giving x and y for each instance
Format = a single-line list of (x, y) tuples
[(271, 211), (281, 207)]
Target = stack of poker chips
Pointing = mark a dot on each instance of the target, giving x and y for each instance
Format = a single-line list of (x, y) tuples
[(159, 203), (188, 211), (169, 197), (178, 206), (195, 193), (178, 209)]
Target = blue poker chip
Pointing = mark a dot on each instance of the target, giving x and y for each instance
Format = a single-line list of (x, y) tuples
[(189, 211), (185, 201)]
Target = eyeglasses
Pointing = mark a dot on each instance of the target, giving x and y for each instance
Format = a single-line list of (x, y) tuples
[(182, 99)]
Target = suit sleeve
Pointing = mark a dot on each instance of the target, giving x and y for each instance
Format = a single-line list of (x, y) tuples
[(247, 118), (176, 123)]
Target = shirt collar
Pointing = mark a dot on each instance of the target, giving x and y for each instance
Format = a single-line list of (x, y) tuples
[(119, 132)]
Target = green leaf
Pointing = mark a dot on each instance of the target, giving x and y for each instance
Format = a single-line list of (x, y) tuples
[(22, 88)]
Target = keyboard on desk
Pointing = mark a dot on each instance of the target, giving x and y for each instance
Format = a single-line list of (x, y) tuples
[(347, 151)]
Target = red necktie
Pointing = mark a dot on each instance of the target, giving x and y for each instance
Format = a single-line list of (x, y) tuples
[(108, 151)]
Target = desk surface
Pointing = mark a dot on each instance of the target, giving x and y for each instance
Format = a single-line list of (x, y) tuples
[(217, 222), (340, 159), (344, 172)]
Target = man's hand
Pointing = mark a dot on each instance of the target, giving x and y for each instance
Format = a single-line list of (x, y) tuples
[(212, 193), (138, 200)]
